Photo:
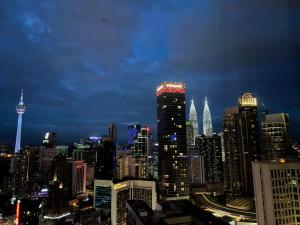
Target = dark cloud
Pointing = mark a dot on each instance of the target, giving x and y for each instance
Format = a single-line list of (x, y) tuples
[(228, 35), (85, 64)]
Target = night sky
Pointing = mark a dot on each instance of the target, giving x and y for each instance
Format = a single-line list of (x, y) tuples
[(86, 63)]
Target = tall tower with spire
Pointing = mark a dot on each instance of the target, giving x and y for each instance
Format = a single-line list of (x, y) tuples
[(20, 111), (207, 123), (194, 120)]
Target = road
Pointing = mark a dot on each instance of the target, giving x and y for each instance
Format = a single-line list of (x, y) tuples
[(226, 210)]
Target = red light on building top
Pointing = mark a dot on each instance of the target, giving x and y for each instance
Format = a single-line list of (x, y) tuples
[(170, 87), (148, 129)]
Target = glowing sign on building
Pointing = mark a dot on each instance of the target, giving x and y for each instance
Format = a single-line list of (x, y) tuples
[(170, 87), (120, 186), (248, 99)]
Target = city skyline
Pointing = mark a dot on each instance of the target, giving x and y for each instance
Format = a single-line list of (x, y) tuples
[(124, 126), (136, 112), (68, 75)]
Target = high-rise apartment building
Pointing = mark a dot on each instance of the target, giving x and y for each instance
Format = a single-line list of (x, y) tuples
[(275, 139), (171, 124), (125, 166), (277, 192), (232, 169), (196, 166), (211, 150)]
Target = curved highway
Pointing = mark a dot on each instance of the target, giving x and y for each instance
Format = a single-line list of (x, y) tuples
[(226, 210)]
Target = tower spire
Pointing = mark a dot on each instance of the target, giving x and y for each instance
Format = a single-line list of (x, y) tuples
[(207, 122), (20, 111), (194, 120), (21, 100)]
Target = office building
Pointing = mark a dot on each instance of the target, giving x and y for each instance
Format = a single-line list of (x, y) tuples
[(105, 165), (102, 194), (141, 150), (171, 126), (133, 131), (130, 190), (277, 195)]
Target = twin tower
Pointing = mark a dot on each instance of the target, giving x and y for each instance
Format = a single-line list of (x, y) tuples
[(207, 122)]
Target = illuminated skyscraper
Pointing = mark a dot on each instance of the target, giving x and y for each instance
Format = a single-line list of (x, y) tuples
[(194, 121), (207, 123), (171, 126), (141, 150), (241, 143), (20, 110)]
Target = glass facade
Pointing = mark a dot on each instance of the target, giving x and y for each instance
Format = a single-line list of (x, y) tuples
[(102, 197)]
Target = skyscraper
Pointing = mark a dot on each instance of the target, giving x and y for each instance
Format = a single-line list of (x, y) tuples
[(112, 132), (190, 140), (207, 123), (133, 131), (275, 138), (50, 139), (277, 196), (249, 139), (211, 150), (105, 165), (194, 121), (232, 167), (141, 150), (20, 111), (241, 143), (78, 178), (171, 124), (130, 190)]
